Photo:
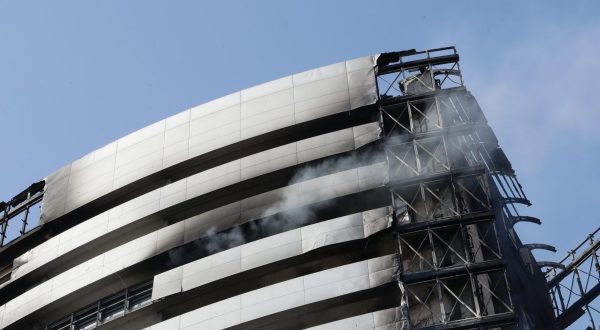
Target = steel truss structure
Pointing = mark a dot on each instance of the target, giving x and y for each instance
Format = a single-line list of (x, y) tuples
[(451, 187), (574, 283)]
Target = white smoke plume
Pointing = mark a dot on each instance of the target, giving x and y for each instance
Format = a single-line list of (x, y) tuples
[(311, 189)]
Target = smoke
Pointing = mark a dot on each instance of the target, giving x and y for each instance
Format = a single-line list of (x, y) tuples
[(312, 183), (312, 189), (303, 196), (223, 240)]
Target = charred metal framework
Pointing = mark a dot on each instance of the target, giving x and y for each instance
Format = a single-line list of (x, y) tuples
[(19, 215), (385, 201), (442, 159), (574, 283)]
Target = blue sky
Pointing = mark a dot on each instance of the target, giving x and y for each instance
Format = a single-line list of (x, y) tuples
[(76, 75)]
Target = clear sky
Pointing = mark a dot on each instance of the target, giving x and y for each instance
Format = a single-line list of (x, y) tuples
[(76, 75)]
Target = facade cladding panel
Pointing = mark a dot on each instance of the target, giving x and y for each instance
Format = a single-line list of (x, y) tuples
[(368, 194)]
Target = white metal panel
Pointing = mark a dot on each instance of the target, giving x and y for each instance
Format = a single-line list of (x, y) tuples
[(372, 176), (267, 113), (141, 135), (27, 302), (178, 119), (388, 319), (176, 145), (325, 145), (129, 253), (377, 220), (82, 234), (170, 324), (366, 133), (381, 269), (221, 321), (333, 231), (360, 322), (55, 192), (267, 88), (94, 157), (366, 62), (267, 203), (267, 103), (362, 89), (216, 105), (277, 247), (169, 237), (321, 106), (214, 178), (267, 122), (167, 283), (336, 281), (59, 245), (321, 87), (75, 278), (269, 161), (133, 210), (200, 318), (325, 72), (272, 299), (2, 315), (211, 268), (214, 130), (34, 258), (173, 193), (86, 183), (139, 160)]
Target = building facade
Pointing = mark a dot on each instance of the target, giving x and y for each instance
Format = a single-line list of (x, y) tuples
[(367, 194)]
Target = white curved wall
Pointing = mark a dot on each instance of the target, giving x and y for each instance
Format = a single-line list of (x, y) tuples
[(216, 124), (204, 182), (340, 183), (289, 294), (230, 119)]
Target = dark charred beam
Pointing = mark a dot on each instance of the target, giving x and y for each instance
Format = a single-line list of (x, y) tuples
[(473, 268), (514, 220), (490, 321), (540, 246), (391, 68), (468, 171), (573, 313), (551, 264), (433, 224)]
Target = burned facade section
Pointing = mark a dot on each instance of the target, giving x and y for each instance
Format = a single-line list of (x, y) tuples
[(366, 194)]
